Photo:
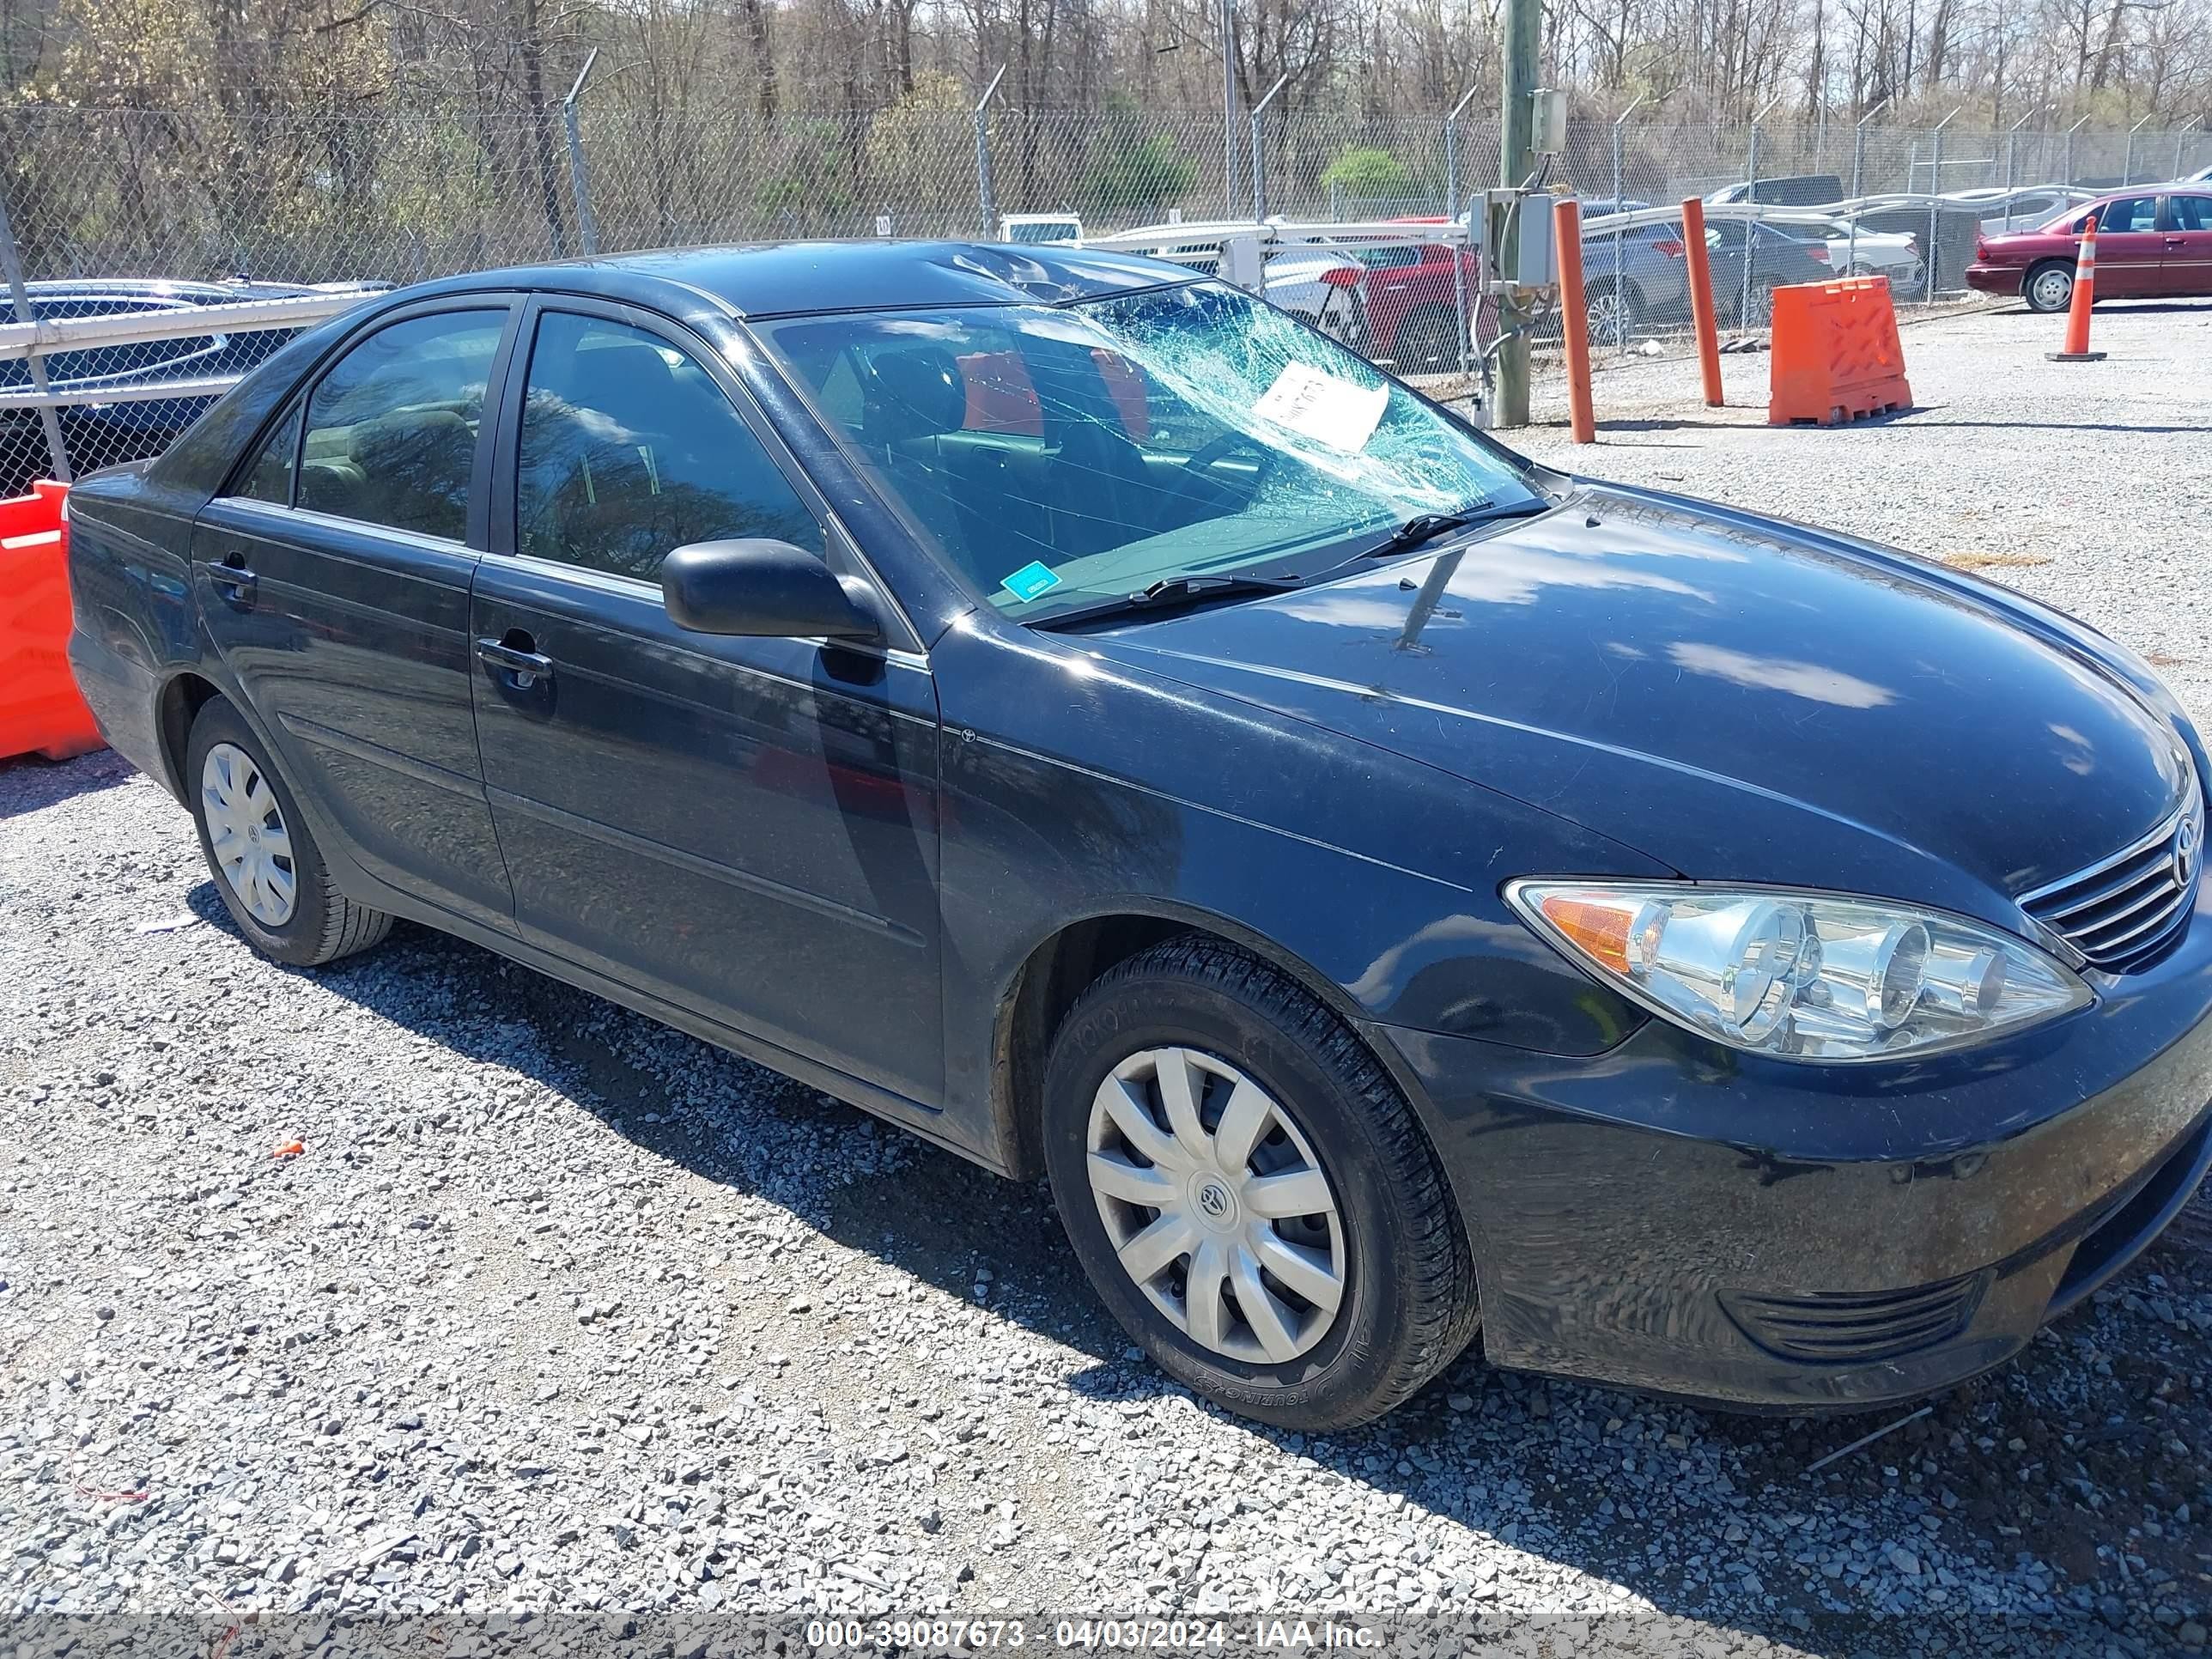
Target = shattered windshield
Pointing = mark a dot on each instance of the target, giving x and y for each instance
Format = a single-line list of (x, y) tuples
[(1064, 456)]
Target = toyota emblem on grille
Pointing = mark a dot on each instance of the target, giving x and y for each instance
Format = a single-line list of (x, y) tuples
[(2185, 854)]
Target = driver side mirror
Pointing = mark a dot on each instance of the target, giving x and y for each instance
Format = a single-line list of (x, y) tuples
[(761, 588)]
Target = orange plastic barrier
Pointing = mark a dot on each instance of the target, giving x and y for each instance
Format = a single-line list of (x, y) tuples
[(39, 706), (1836, 356)]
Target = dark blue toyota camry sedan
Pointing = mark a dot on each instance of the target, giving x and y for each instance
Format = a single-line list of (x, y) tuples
[(1392, 889)]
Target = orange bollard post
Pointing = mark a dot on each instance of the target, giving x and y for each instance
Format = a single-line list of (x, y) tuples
[(1574, 318), (1701, 297), (2085, 295)]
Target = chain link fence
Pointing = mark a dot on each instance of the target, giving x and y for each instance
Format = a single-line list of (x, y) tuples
[(97, 196)]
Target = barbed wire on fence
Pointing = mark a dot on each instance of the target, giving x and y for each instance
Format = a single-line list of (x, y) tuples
[(208, 195), (337, 195)]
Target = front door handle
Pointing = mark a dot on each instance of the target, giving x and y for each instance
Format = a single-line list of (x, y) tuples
[(517, 658), (2174, 241), (235, 581)]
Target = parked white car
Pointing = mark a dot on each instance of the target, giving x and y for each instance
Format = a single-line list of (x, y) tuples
[(1890, 253), (1041, 229), (1297, 279)]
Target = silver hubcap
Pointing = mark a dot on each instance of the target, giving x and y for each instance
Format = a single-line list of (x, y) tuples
[(2054, 289), (1216, 1205), (246, 832)]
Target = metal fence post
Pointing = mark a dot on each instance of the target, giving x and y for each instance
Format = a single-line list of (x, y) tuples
[(1228, 111), (1750, 229), (1259, 151), (1619, 281), (1858, 165), (580, 178), (2070, 131), (1934, 188), (2127, 170), (987, 208), (11, 265), (1460, 251), (2012, 143)]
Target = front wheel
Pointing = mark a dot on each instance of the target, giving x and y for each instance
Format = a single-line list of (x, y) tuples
[(1250, 1194), (2049, 287), (1612, 313)]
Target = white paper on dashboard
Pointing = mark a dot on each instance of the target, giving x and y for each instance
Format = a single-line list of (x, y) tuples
[(1319, 406)]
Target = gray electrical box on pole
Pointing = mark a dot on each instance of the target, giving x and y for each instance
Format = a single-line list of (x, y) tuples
[(1524, 29)]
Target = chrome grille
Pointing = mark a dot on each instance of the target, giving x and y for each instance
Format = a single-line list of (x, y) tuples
[(2123, 910)]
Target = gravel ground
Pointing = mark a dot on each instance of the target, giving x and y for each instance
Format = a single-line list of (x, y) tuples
[(558, 1309)]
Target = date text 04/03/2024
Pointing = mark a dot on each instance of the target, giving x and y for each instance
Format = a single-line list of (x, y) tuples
[(1110, 1634)]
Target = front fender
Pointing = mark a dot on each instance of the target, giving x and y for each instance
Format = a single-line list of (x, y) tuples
[(1372, 878)]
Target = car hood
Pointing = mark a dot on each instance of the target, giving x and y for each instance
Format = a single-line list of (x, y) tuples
[(1739, 698)]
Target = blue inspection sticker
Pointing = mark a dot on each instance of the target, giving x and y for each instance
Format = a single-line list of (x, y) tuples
[(1033, 579)]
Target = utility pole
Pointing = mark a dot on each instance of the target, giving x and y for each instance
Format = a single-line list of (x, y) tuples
[(1516, 121)]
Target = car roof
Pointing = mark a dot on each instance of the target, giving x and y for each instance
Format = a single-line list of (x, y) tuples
[(795, 278)]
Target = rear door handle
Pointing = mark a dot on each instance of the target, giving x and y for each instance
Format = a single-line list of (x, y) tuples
[(235, 582), (524, 666)]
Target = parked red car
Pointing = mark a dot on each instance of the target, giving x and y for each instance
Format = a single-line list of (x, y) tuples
[(2151, 243), (1412, 301)]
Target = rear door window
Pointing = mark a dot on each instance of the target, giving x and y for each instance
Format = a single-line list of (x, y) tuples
[(391, 428), (270, 478), (2192, 212)]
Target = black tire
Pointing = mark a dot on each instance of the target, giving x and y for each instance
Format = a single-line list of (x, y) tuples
[(1425, 343), (2041, 288), (324, 924), (1409, 1303)]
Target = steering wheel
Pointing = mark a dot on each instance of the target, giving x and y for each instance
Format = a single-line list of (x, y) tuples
[(1194, 475)]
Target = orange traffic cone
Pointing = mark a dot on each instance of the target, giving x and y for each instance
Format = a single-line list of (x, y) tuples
[(2085, 295)]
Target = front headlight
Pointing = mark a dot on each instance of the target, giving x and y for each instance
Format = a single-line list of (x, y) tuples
[(1798, 975)]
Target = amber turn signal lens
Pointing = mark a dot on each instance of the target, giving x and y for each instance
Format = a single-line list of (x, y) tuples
[(1601, 930)]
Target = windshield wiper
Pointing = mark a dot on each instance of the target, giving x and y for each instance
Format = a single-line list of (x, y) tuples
[(1426, 527), (1173, 591)]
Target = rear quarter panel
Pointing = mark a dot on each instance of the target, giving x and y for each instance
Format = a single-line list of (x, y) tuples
[(135, 623)]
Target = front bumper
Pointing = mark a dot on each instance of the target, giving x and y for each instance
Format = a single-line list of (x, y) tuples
[(1678, 1217)]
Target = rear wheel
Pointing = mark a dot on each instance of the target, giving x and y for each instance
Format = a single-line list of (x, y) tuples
[(2049, 287), (264, 859), (1250, 1194)]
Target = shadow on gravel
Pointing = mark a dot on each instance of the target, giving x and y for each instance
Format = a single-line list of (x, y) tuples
[(30, 783), (2031, 1488)]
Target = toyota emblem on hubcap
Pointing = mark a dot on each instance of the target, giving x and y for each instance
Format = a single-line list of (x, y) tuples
[(1214, 1199)]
